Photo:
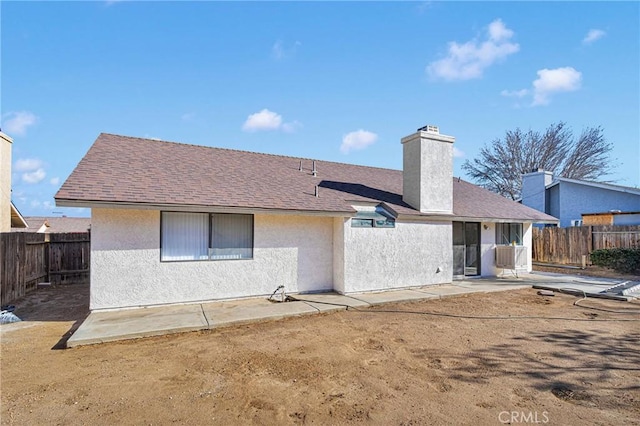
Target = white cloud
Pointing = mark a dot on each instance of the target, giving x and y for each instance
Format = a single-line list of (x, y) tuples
[(269, 120), (515, 93), (593, 35), (54, 181), (354, 141), (27, 164), (280, 51), (263, 120), (469, 60), (458, 153), (35, 176), (549, 82), (17, 122)]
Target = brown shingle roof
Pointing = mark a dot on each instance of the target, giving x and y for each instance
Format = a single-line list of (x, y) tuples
[(119, 169), (56, 224)]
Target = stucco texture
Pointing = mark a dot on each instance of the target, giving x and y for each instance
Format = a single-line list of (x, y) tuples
[(408, 255), (488, 249), (5, 183), (126, 271)]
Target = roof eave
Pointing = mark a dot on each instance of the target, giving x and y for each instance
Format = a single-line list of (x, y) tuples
[(505, 220), (17, 220), (64, 202)]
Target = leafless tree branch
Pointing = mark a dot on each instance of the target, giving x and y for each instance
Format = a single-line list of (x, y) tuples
[(500, 165)]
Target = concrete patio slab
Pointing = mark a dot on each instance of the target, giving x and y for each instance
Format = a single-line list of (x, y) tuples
[(332, 299), (129, 324), (446, 290), (250, 310), (483, 286), (102, 327)]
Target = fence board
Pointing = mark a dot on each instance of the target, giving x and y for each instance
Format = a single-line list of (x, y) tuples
[(567, 245), (27, 259), (69, 257)]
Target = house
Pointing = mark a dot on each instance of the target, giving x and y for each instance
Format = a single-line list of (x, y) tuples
[(9, 214), (569, 199), (178, 223), (50, 225)]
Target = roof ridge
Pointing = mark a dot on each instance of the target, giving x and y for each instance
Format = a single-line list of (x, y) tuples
[(245, 151), (595, 182)]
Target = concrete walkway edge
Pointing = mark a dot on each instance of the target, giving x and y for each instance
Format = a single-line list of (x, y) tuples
[(101, 326)]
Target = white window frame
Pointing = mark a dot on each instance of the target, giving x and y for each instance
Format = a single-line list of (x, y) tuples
[(205, 247), (500, 240)]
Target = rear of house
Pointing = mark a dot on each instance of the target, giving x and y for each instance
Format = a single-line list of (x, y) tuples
[(178, 223)]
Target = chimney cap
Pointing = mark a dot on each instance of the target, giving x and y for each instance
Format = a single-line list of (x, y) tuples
[(430, 128)]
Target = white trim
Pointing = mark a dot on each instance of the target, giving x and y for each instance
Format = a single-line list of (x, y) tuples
[(15, 214), (600, 185), (197, 208)]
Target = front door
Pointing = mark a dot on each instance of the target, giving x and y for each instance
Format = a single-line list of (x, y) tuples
[(466, 249)]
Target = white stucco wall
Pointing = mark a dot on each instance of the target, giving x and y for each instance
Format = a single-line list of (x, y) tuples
[(488, 253), (338, 253), (405, 256), (527, 241), (487, 250), (126, 271), (5, 182)]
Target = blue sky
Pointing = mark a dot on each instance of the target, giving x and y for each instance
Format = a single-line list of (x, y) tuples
[(325, 80)]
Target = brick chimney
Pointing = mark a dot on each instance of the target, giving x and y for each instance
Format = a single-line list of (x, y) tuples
[(427, 176)]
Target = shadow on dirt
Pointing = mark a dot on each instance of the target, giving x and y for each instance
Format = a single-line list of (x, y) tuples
[(60, 304), (547, 359)]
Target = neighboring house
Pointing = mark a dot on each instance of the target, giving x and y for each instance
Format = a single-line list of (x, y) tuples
[(50, 225), (569, 199), (9, 214), (178, 223), (615, 217)]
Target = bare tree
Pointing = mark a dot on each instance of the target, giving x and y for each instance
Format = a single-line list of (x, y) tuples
[(501, 164)]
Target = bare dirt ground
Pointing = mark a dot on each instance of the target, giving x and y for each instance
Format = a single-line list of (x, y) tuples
[(348, 367)]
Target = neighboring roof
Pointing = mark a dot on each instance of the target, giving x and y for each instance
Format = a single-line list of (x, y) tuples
[(601, 185), (52, 225), (134, 172), (17, 221)]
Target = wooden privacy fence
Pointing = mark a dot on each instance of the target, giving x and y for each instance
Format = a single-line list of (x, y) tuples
[(27, 259), (566, 246)]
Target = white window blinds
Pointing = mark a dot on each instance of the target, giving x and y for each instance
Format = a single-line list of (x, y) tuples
[(204, 236)]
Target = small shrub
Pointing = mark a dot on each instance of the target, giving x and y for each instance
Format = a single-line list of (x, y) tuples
[(626, 260)]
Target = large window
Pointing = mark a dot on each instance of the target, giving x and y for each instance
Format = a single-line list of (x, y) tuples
[(204, 236), (508, 233)]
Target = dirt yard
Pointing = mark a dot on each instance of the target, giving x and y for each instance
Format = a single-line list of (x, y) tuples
[(348, 367)]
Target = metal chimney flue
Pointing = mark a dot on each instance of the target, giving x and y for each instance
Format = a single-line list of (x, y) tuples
[(314, 171)]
